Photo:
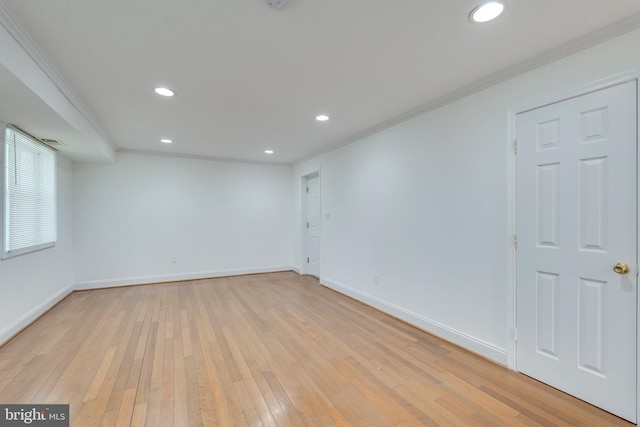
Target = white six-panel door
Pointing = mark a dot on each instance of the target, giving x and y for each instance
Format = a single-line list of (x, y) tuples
[(576, 219), (313, 226)]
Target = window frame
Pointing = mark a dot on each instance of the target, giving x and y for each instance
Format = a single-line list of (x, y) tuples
[(48, 182)]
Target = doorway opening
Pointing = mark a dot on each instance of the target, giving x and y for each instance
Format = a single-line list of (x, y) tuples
[(311, 224)]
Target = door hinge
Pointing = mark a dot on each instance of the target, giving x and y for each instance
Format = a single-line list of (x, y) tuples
[(307, 260), (515, 146), (307, 189), (515, 241), (307, 225)]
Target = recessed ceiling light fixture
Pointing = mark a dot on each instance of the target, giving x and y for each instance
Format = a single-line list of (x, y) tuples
[(268, 151), (486, 12), (164, 91), (166, 141), (322, 118)]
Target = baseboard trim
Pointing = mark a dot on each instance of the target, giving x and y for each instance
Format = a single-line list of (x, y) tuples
[(32, 315), (487, 350), (143, 280)]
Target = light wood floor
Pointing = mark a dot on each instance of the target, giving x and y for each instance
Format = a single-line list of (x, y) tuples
[(273, 350)]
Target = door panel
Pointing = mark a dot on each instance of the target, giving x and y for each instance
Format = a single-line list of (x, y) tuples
[(576, 218)]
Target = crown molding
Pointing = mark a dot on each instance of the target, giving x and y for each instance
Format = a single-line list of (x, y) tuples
[(15, 30), (200, 157), (606, 33)]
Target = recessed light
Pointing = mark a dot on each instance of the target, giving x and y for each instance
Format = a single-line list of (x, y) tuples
[(268, 151), (166, 141), (164, 91), (486, 12), (322, 118)]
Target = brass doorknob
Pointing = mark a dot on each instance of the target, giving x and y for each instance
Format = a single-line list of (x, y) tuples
[(621, 268)]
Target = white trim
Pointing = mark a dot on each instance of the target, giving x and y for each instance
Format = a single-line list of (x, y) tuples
[(143, 280), (7, 333), (637, 244), (476, 345), (512, 253)]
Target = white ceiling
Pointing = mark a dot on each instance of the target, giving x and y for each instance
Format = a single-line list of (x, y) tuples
[(249, 78)]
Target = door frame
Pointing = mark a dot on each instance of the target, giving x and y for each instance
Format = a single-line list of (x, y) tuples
[(304, 243), (513, 112)]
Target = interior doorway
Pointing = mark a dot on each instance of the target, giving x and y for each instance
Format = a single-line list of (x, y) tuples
[(311, 219)]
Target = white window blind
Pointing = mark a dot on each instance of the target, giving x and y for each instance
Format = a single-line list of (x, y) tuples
[(30, 194)]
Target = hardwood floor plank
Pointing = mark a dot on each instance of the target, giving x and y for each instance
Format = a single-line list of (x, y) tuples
[(125, 411), (253, 394), (273, 349), (110, 419), (100, 375), (139, 415), (92, 412), (181, 413)]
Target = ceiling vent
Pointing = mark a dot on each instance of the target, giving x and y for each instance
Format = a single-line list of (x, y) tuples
[(53, 143), (278, 4)]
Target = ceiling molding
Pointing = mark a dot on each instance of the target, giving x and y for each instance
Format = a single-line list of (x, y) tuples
[(621, 27), (15, 30), (200, 157)]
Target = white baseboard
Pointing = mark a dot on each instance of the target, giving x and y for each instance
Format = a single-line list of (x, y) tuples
[(142, 280), (496, 354), (33, 314)]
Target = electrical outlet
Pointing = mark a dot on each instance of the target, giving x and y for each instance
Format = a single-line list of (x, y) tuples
[(174, 260), (376, 279)]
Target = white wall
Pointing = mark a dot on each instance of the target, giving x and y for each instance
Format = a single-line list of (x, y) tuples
[(217, 218), (30, 284), (425, 205)]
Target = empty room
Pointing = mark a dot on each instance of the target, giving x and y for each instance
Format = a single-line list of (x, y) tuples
[(319, 213)]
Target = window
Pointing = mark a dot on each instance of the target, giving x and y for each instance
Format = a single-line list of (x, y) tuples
[(29, 194)]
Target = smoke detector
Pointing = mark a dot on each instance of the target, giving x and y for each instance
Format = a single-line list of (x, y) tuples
[(278, 4)]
